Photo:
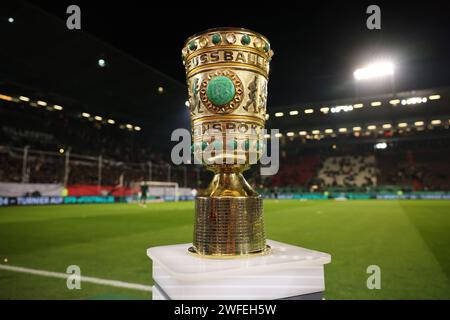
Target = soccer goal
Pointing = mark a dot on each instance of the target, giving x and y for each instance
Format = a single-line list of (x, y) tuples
[(167, 191)]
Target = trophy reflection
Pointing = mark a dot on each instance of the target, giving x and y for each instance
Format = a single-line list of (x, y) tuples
[(227, 73)]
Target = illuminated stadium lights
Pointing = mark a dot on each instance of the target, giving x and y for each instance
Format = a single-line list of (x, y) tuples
[(324, 110), (342, 130), (267, 116), (371, 127), (267, 136), (436, 122), (375, 103), (101, 63), (57, 107), (110, 121), (419, 123), (137, 128), (345, 108), (290, 134), (303, 133), (434, 97), (11, 20), (85, 115), (356, 128), (328, 130), (98, 118), (414, 100), (293, 112), (61, 150), (394, 102), (5, 97), (160, 90), (186, 103), (374, 70), (129, 126), (307, 111), (278, 135), (315, 132), (402, 125), (42, 103), (23, 98), (279, 114), (381, 145), (387, 126), (358, 105)]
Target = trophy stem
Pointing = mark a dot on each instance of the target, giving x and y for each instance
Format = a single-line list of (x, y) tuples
[(229, 218)]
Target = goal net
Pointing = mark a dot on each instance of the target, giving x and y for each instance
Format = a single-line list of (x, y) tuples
[(159, 190)]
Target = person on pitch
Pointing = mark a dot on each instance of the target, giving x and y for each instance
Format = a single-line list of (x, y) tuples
[(144, 190)]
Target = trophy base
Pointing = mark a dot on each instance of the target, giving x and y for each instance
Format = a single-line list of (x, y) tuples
[(287, 272)]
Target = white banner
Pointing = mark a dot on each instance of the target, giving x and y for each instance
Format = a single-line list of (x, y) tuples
[(12, 189)]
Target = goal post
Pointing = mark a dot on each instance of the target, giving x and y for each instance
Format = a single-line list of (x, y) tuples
[(162, 189)]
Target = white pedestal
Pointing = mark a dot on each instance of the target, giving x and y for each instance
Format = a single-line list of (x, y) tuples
[(288, 272)]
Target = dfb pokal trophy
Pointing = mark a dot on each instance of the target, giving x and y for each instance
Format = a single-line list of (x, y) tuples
[(227, 76)]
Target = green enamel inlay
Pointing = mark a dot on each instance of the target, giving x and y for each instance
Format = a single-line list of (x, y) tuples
[(192, 45), (204, 145), (220, 90), (245, 40), (232, 144), (266, 47), (216, 38), (246, 145)]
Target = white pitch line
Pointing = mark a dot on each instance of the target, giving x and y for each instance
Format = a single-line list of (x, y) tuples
[(51, 274)]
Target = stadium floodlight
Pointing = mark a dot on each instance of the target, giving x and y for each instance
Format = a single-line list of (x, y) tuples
[(293, 112), (371, 127), (267, 116), (110, 121), (394, 102), (324, 110), (278, 135), (129, 126), (434, 97), (290, 134), (23, 98), (328, 130), (267, 136), (356, 128), (101, 63), (11, 20), (358, 105), (307, 111), (419, 123), (303, 133), (342, 130), (137, 128), (376, 104), (279, 114), (85, 115), (61, 150), (402, 125), (98, 118), (315, 132), (57, 107), (381, 145), (436, 122), (42, 103), (374, 70), (160, 90), (387, 126), (186, 103)]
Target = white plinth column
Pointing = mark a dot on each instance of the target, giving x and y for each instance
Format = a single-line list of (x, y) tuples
[(287, 272)]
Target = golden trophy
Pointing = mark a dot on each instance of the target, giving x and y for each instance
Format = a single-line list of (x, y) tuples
[(227, 74)]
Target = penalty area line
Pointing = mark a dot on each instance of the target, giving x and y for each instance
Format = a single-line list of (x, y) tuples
[(60, 275)]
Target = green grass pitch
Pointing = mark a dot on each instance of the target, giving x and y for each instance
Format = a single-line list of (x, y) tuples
[(409, 240)]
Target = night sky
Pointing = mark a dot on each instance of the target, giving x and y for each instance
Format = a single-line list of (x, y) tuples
[(317, 47)]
